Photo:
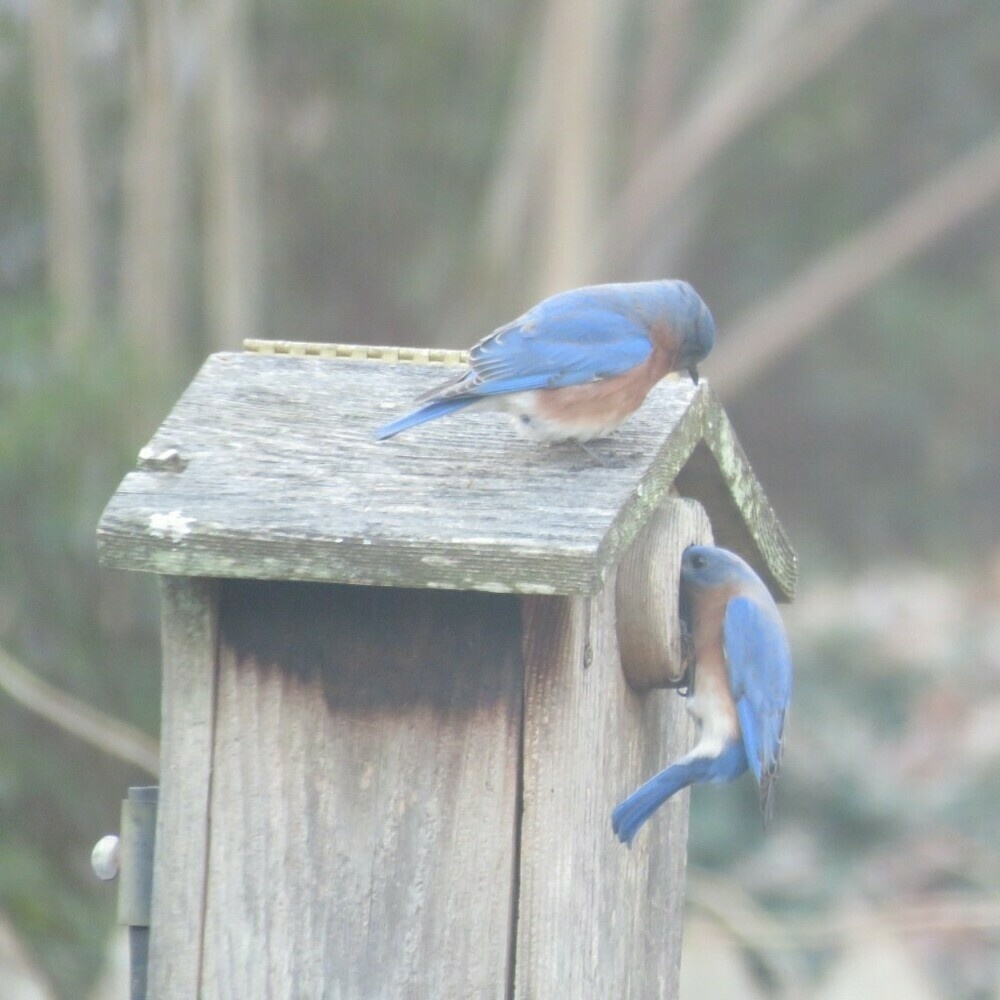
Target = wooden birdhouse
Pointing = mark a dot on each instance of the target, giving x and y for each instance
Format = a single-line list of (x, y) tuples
[(405, 682)]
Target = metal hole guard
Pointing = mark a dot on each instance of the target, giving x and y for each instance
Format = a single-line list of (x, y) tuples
[(647, 590)]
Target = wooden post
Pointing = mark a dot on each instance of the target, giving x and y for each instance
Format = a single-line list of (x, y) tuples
[(190, 638), (404, 790)]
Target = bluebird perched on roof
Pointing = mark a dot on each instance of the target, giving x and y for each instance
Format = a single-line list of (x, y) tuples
[(739, 690), (577, 364)]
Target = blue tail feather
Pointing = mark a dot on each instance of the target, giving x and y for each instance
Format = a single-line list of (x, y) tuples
[(431, 411), (630, 814)]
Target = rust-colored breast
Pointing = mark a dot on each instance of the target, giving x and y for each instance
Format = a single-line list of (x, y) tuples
[(599, 405)]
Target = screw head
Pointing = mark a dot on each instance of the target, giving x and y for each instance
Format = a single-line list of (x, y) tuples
[(104, 857)]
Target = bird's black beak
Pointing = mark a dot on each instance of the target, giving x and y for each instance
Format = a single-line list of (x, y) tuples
[(693, 372)]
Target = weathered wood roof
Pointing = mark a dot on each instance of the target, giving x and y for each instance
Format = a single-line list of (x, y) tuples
[(267, 468)]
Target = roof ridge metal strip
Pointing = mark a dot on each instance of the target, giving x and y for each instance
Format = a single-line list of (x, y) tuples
[(358, 352)]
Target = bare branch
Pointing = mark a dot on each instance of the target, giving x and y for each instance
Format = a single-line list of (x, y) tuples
[(757, 71), (817, 292), (108, 734), (721, 897)]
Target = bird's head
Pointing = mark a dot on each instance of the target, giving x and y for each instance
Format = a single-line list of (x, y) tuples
[(705, 567), (696, 328)]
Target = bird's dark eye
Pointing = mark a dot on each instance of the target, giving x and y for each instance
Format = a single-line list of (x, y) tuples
[(698, 561)]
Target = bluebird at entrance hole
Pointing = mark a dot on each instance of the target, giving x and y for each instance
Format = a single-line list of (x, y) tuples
[(740, 685)]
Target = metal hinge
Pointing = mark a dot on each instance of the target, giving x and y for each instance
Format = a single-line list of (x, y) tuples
[(358, 352)]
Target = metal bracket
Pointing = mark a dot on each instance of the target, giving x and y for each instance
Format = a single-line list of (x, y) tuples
[(130, 854)]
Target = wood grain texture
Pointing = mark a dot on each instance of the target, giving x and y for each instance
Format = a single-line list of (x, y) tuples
[(189, 628), (595, 920), (273, 473), (364, 793), (647, 589)]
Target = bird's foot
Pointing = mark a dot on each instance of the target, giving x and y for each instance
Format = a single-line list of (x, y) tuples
[(683, 683), (605, 461)]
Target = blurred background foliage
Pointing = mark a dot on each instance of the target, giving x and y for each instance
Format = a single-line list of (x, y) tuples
[(177, 176)]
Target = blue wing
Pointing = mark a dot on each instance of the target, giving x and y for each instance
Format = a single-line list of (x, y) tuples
[(760, 675), (570, 339)]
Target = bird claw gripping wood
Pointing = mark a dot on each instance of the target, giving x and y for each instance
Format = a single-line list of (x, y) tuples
[(685, 682)]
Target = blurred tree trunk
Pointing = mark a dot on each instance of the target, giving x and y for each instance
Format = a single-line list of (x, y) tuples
[(540, 210), (503, 229), (666, 36), (150, 281), (232, 238), (59, 120), (572, 87), (665, 49)]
